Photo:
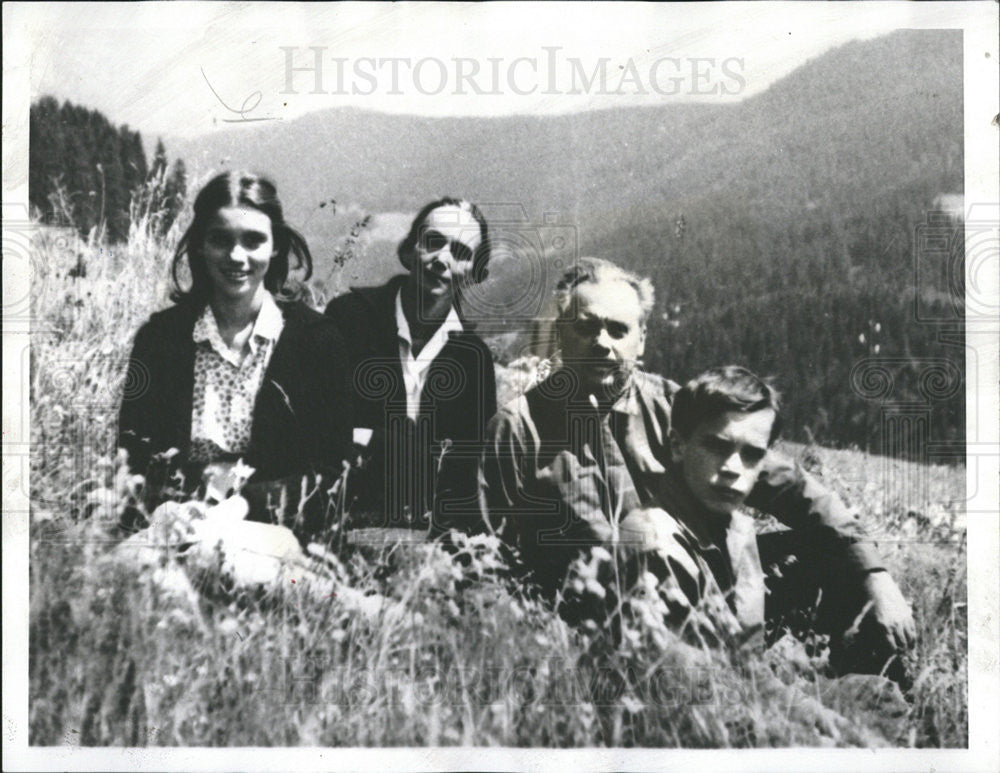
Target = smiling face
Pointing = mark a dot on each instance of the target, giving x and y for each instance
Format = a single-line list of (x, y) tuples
[(602, 334), (722, 458), (237, 249), (441, 261)]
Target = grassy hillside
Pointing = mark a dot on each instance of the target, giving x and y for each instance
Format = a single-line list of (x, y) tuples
[(414, 647)]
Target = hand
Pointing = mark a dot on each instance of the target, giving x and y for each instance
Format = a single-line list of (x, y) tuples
[(889, 612), (654, 530), (646, 528)]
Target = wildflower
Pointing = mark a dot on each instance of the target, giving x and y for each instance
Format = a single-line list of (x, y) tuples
[(632, 704), (242, 472), (649, 582), (594, 587), (134, 484)]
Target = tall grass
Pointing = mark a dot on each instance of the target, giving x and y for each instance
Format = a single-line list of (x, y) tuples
[(408, 644)]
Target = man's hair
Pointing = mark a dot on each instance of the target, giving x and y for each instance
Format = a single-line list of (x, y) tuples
[(480, 260), (596, 270), (721, 390)]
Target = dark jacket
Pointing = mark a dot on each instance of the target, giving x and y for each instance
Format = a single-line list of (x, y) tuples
[(302, 417), (405, 477)]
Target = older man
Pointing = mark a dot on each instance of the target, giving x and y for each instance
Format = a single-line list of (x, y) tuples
[(589, 447)]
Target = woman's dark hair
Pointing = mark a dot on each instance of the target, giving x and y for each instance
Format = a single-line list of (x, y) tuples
[(480, 260), (238, 189), (721, 390)]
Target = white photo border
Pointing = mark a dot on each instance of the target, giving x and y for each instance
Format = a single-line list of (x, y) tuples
[(982, 171)]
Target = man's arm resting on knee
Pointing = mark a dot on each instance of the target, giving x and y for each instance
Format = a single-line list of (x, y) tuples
[(798, 500)]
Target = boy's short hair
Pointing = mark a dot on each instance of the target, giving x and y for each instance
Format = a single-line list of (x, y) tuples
[(720, 390)]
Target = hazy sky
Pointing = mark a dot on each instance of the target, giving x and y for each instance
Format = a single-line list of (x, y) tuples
[(155, 65)]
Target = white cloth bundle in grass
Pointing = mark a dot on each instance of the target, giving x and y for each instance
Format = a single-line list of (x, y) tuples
[(190, 539), (247, 553)]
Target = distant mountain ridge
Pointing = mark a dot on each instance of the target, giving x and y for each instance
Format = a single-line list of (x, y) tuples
[(859, 119)]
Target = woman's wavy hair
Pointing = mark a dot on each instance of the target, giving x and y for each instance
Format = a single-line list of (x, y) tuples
[(239, 189), (480, 260)]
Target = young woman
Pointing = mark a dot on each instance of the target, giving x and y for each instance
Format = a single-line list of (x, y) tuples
[(238, 370), (424, 384)]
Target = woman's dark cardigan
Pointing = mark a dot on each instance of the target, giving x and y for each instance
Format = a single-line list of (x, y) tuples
[(302, 418)]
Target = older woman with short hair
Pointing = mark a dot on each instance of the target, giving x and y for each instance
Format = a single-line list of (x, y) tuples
[(423, 381)]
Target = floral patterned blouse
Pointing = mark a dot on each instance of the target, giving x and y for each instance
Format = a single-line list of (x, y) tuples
[(226, 382)]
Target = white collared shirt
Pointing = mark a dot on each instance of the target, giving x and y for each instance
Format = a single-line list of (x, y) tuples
[(226, 382), (415, 368)]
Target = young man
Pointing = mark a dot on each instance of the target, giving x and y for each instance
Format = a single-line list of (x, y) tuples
[(424, 384), (725, 422), (568, 461)]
